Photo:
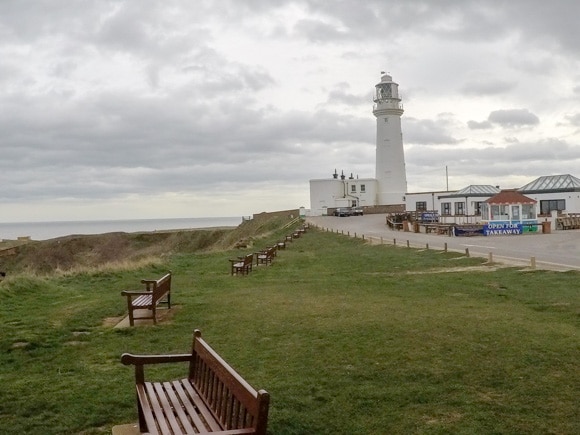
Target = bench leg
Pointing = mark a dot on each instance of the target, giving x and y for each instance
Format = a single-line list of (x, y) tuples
[(130, 309)]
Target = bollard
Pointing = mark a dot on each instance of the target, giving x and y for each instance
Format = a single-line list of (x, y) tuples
[(490, 257), (427, 246), (533, 262), (394, 242), (408, 245), (445, 247), (467, 252), (363, 236), (381, 240)]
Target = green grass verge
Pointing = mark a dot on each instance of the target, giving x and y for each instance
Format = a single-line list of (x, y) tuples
[(346, 337)]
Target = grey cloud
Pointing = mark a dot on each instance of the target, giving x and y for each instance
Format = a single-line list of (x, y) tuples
[(487, 87), (541, 157), (574, 119), (426, 131), (483, 125), (341, 94), (318, 31), (513, 117)]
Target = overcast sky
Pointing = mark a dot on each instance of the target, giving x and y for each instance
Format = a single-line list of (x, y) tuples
[(115, 109)]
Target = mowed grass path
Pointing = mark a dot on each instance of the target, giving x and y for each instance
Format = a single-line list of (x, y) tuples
[(348, 338)]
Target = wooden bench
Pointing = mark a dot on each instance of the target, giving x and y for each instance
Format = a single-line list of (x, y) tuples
[(281, 244), (431, 228), (265, 256), (212, 398), (242, 265), (157, 291)]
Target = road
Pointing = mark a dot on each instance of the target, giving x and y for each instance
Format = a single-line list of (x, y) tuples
[(559, 250)]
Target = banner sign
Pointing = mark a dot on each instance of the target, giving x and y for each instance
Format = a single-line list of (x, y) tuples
[(468, 230), (502, 228), (430, 216)]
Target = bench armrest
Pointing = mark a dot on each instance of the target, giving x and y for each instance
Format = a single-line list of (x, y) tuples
[(130, 359)]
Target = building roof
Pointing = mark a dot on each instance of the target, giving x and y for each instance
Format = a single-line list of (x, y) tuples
[(552, 183), (510, 196), (473, 190)]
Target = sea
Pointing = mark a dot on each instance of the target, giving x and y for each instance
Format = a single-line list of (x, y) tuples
[(51, 230)]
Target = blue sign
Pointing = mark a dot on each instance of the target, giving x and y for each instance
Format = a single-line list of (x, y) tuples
[(430, 216), (502, 228)]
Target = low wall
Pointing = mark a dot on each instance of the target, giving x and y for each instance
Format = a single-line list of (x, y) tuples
[(290, 214)]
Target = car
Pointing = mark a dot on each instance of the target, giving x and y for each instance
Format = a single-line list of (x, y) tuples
[(343, 211), (357, 211)]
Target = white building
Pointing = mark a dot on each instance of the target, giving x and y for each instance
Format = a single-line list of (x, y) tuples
[(555, 195), (390, 184)]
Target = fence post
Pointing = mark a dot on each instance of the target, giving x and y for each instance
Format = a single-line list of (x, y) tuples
[(533, 261), (467, 252), (445, 246), (427, 246), (394, 242), (491, 257), (408, 245)]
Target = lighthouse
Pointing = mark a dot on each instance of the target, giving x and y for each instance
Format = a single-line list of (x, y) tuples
[(390, 156)]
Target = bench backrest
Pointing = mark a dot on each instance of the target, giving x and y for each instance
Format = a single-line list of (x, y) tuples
[(234, 403), (248, 259), (159, 287)]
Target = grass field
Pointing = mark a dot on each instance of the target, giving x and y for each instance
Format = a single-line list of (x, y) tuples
[(348, 338)]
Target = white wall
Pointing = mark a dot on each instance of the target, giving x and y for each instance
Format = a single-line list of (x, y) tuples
[(331, 193)]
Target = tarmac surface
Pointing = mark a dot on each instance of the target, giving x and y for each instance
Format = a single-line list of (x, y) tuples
[(558, 250)]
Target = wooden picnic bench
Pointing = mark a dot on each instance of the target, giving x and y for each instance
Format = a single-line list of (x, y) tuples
[(266, 255), (212, 398), (242, 265), (569, 223), (157, 291)]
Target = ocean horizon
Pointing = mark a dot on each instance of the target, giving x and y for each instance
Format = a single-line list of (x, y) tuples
[(54, 229)]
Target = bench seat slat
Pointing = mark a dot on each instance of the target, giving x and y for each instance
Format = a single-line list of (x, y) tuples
[(179, 404), (167, 408), (142, 301), (202, 408), (150, 408), (189, 405)]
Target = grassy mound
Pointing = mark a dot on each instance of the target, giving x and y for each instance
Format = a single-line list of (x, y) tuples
[(128, 250)]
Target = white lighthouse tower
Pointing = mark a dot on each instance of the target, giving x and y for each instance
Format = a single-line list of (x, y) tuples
[(390, 160)]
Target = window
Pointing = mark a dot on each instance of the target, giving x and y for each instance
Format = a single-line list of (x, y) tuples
[(363, 188), (477, 207), (446, 208), (421, 205), (353, 188), (546, 206), (459, 208), (529, 211)]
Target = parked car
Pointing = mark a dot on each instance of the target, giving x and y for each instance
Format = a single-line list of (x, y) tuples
[(357, 211), (343, 211)]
